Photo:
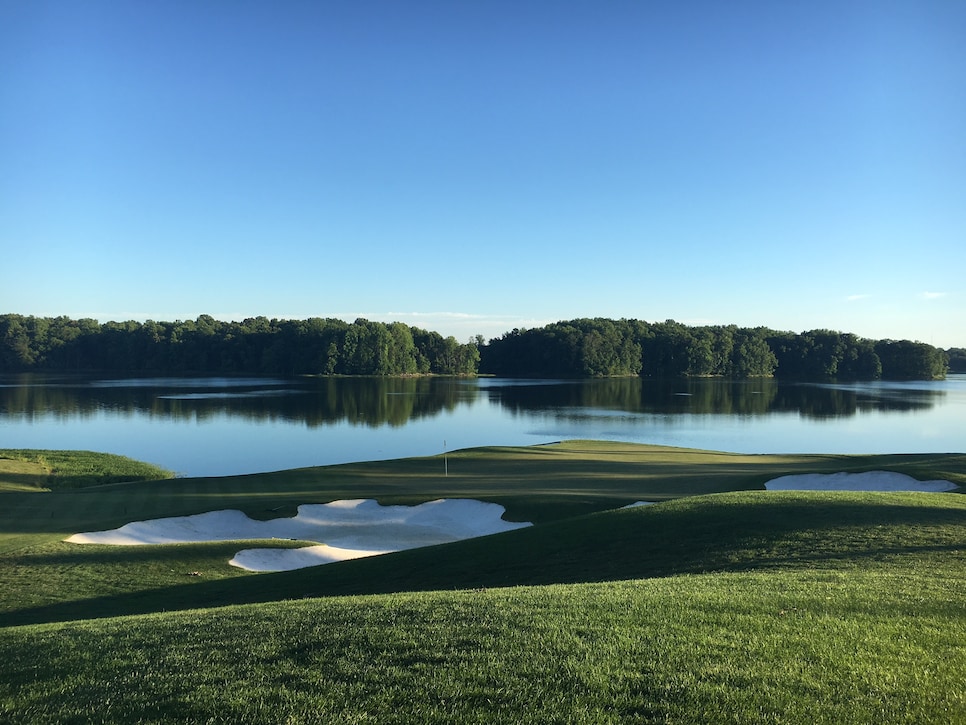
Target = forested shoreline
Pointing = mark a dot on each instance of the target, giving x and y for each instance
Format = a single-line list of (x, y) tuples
[(253, 346), (579, 348)]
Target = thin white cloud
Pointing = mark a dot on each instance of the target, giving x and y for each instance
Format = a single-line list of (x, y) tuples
[(461, 325), (856, 298), (124, 316), (933, 295), (431, 315)]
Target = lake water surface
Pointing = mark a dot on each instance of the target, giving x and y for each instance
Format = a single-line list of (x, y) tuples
[(222, 426)]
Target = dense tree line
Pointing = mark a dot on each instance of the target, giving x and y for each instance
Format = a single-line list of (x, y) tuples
[(254, 346), (957, 359), (582, 348), (602, 347)]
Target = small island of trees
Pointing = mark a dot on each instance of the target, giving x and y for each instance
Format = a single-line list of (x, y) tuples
[(581, 348)]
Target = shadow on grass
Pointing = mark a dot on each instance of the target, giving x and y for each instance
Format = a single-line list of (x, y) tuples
[(160, 555), (721, 533), (24, 482)]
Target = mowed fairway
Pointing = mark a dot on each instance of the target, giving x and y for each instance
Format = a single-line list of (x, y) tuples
[(726, 603)]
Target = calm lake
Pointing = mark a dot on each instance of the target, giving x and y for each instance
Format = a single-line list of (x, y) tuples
[(222, 426)]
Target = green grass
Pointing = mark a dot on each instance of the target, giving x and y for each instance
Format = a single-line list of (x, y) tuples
[(721, 532), (42, 470), (792, 647), (44, 578), (724, 603)]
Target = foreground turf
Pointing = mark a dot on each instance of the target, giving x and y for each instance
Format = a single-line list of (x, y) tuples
[(724, 603), (790, 647)]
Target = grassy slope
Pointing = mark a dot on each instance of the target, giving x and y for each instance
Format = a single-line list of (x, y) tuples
[(824, 608)]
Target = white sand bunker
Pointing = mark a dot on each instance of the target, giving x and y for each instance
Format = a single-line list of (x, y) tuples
[(348, 529), (869, 481)]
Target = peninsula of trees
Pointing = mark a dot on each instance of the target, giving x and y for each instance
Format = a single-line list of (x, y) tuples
[(573, 349)]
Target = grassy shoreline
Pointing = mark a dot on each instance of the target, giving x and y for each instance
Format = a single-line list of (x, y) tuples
[(25, 469)]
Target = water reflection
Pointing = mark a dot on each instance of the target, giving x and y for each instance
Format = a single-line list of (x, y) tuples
[(718, 397), (310, 401), (397, 401), (821, 401)]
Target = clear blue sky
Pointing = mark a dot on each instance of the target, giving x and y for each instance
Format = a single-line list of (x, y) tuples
[(471, 167)]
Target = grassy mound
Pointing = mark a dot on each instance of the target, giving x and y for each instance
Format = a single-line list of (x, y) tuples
[(42, 470)]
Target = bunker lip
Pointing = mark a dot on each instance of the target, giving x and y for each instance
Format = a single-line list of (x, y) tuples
[(345, 529)]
